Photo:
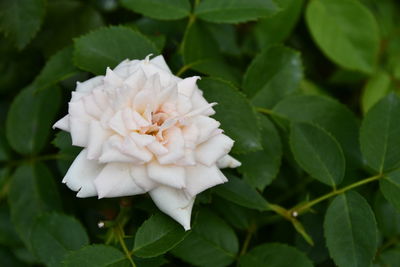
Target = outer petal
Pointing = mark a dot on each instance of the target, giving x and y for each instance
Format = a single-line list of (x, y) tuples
[(200, 178), (141, 178), (97, 137), (206, 126), (89, 85), (169, 175), (79, 131), (228, 162), (188, 85), (159, 61), (63, 124), (81, 175), (115, 181), (213, 149), (175, 203)]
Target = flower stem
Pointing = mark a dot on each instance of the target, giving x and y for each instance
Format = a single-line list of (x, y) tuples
[(247, 240), (306, 206), (120, 233)]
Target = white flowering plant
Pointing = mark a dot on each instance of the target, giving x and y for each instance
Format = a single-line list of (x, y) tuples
[(199, 133)]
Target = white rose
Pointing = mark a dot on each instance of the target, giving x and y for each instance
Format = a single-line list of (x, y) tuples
[(145, 130)]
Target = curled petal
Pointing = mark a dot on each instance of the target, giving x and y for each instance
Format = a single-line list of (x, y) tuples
[(63, 124), (213, 149), (115, 181), (175, 146), (200, 178), (206, 126), (81, 175), (188, 86), (170, 175), (228, 162), (175, 203)]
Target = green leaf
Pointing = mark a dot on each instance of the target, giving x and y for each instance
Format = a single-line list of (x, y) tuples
[(157, 235), (318, 153), (54, 235), (201, 53), (30, 118), (330, 115), (272, 75), (239, 192), (260, 168), (376, 88), (350, 231), (277, 28), (95, 256), (387, 216), (237, 216), (235, 113), (234, 11), (346, 32), (390, 258), (107, 47), (59, 67), (390, 187), (275, 255), (65, 20), (159, 9), (8, 236), (380, 134), (21, 19), (211, 242), (32, 193)]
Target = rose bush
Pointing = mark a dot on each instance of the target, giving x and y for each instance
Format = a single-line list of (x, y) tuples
[(145, 130)]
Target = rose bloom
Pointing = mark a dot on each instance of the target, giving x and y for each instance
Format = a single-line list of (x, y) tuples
[(145, 130)]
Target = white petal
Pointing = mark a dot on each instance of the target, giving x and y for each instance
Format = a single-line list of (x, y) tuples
[(97, 137), (199, 102), (210, 151), (115, 181), (79, 131), (117, 124), (175, 146), (159, 61), (89, 85), (200, 178), (206, 126), (101, 98), (91, 106), (81, 175), (139, 120), (112, 79), (122, 70), (141, 154), (142, 139), (188, 85), (139, 175), (62, 124), (77, 109), (228, 162), (112, 151), (150, 69), (183, 105), (190, 134), (157, 148), (135, 81), (175, 203), (127, 117), (170, 175)]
